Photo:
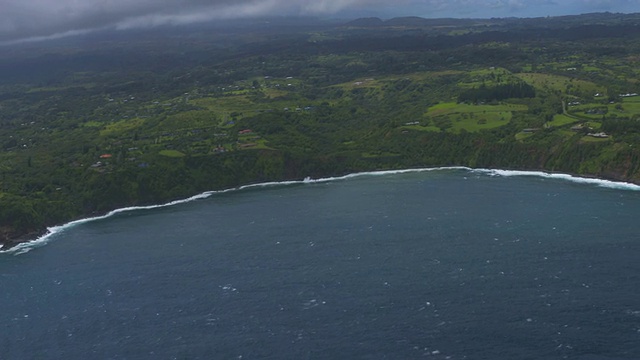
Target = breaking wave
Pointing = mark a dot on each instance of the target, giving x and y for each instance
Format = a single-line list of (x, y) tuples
[(55, 230), (617, 185)]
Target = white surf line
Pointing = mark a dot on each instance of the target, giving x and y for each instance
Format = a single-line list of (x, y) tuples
[(617, 185), (43, 240), (27, 246)]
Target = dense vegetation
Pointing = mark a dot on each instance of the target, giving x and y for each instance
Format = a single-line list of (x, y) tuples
[(103, 121)]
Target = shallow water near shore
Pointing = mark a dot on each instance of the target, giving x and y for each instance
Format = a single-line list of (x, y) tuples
[(440, 264)]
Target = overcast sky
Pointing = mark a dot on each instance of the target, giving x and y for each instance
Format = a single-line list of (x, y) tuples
[(42, 19)]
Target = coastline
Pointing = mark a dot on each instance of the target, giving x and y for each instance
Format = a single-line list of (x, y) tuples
[(12, 242)]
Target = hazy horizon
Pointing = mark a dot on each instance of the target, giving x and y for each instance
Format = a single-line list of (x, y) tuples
[(28, 20)]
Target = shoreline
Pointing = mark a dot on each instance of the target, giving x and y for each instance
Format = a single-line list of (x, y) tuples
[(13, 242)]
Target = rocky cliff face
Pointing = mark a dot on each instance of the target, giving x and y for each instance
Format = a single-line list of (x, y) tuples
[(10, 237)]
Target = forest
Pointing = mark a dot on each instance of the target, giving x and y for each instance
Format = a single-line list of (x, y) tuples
[(101, 121)]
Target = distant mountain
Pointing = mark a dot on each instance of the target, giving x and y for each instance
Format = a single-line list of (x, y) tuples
[(414, 21), (366, 22), (409, 22), (549, 22)]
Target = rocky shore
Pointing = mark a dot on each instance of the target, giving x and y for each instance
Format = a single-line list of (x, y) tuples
[(10, 237)]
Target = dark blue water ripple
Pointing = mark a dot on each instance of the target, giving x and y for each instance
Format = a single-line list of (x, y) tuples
[(450, 264)]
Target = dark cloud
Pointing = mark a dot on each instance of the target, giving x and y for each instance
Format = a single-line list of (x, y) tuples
[(25, 19)]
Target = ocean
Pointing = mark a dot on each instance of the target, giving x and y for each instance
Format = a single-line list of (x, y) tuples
[(448, 263)]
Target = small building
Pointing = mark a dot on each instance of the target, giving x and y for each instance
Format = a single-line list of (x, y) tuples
[(599, 135), (106, 156)]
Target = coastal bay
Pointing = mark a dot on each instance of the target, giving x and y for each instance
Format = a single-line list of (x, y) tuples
[(441, 263)]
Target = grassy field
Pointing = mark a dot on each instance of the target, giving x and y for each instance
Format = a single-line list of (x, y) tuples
[(172, 153), (221, 105), (560, 83), (456, 117), (378, 83), (421, 128), (488, 77), (455, 108), (561, 120), (121, 127), (631, 105), (591, 139), (485, 121), (522, 136), (189, 120), (361, 83), (257, 144)]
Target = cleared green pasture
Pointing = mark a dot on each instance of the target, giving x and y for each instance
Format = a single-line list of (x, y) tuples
[(227, 107), (591, 139), (559, 83), (189, 120), (590, 116), (172, 153), (480, 121), (361, 83), (488, 77), (259, 144), (379, 82), (421, 128), (580, 110), (590, 68), (561, 120), (92, 124), (565, 133), (273, 93), (455, 108), (225, 103), (457, 117), (593, 125), (631, 105), (121, 127), (522, 136)]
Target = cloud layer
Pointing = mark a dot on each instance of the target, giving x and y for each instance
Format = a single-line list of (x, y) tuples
[(24, 19)]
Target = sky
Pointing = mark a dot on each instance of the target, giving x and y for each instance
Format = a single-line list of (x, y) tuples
[(28, 20)]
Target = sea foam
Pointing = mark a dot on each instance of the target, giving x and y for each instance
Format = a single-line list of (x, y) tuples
[(617, 185), (53, 231)]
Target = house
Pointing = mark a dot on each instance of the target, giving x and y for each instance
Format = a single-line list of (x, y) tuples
[(106, 156), (600, 135)]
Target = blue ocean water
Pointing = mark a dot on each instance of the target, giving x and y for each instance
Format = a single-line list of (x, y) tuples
[(441, 264)]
